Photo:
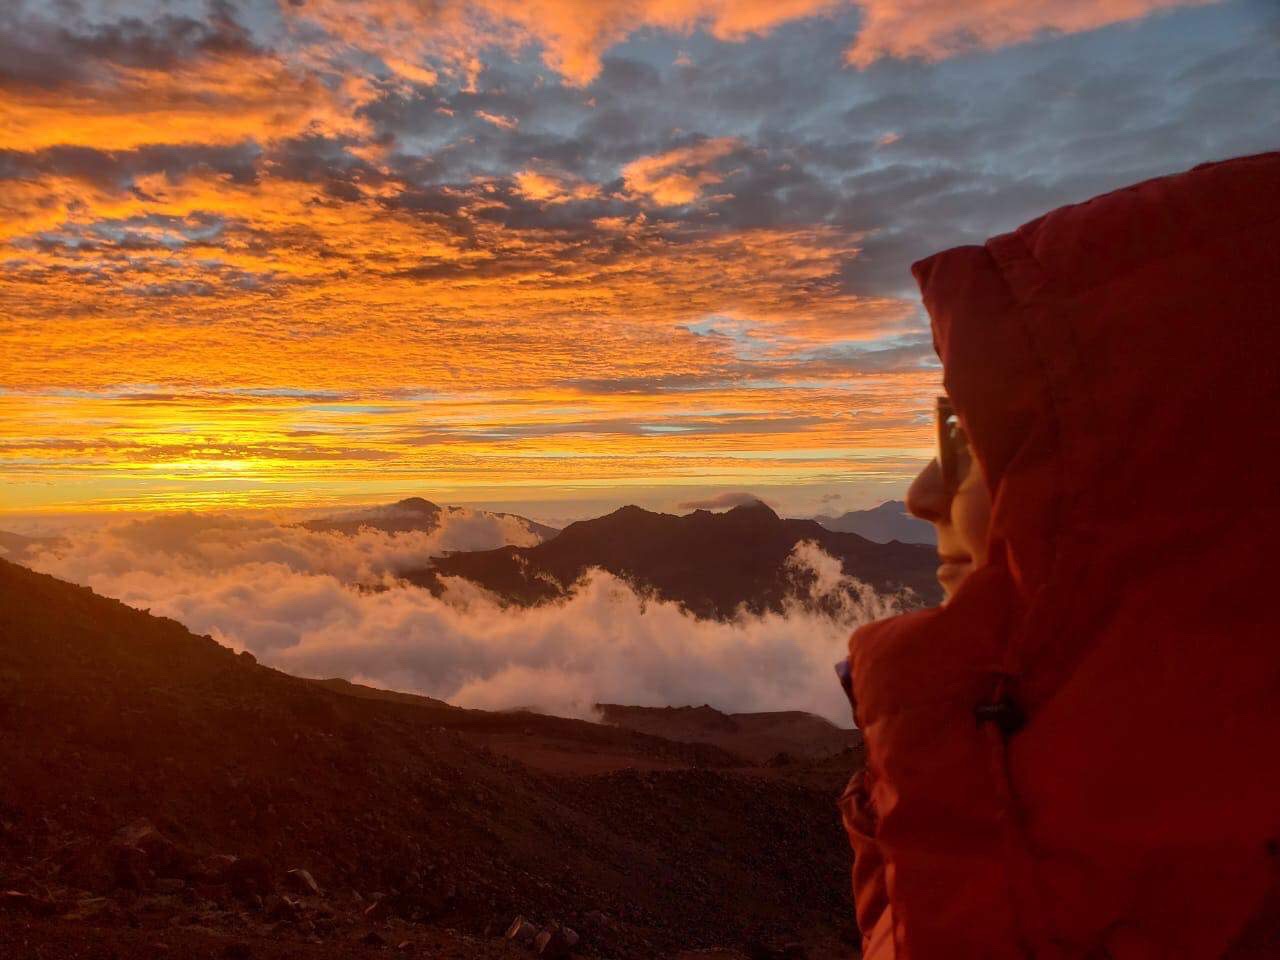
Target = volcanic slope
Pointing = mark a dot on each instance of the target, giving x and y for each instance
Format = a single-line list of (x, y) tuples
[(712, 563), (420, 823)]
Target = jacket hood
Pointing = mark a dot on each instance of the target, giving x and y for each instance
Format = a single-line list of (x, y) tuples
[(1063, 754), (1111, 360)]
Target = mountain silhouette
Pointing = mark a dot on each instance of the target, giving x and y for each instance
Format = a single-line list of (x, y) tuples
[(889, 521), (409, 515), (712, 563)]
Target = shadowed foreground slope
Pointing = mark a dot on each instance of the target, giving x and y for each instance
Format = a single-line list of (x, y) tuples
[(453, 821)]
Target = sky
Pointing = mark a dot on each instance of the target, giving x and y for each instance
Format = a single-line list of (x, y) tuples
[(542, 255)]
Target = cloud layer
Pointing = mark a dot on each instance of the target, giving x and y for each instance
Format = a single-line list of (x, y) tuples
[(301, 601)]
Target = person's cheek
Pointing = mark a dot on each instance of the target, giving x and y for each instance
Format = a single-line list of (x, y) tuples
[(971, 515)]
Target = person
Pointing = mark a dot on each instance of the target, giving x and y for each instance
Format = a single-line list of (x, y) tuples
[(1077, 755)]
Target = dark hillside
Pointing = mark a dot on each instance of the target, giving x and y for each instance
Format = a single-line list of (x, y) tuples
[(452, 821)]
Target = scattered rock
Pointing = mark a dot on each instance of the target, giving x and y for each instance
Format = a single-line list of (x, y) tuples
[(139, 853), (521, 931), (131, 869), (555, 942), (19, 902), (139, 833), (214, 868), (377, 911), (301, 881), (250, 876), (283, 908), (374, 939)]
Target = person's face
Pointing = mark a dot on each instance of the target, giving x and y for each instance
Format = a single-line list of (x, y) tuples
[(960, 513)]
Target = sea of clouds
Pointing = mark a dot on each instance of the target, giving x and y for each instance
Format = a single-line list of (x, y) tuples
[(325, 604)]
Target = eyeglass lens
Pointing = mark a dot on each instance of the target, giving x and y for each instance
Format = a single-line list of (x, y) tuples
[(953, 447)]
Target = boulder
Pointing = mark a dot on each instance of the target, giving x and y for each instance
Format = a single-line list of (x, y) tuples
[(163, 857), (130, 868)]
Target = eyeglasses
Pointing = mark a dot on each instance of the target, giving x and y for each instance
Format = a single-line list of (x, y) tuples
[(953, 446)]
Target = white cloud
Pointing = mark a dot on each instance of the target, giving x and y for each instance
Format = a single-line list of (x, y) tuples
[(300, 601)]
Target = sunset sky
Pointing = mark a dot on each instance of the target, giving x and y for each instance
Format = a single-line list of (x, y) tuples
[(544, 255)]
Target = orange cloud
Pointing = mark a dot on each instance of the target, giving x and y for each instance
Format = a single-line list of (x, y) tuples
[(678, 176), (553, 188), (573, 35), (937, 29), (498, 120), (209, 100)]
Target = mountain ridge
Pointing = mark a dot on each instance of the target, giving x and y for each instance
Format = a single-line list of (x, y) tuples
[(711, 563)]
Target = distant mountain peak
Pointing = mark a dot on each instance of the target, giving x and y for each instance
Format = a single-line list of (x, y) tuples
[(631, 510), (882, 523), (416, 505), (753, 508), (890, 506)]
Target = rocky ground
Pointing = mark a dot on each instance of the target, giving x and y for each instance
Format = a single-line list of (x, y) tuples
[(165, 797)]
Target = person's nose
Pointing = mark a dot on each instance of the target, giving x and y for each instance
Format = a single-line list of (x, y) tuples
[(928, 497)]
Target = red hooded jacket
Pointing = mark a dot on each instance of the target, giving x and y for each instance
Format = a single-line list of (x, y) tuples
[(1079, 755)]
